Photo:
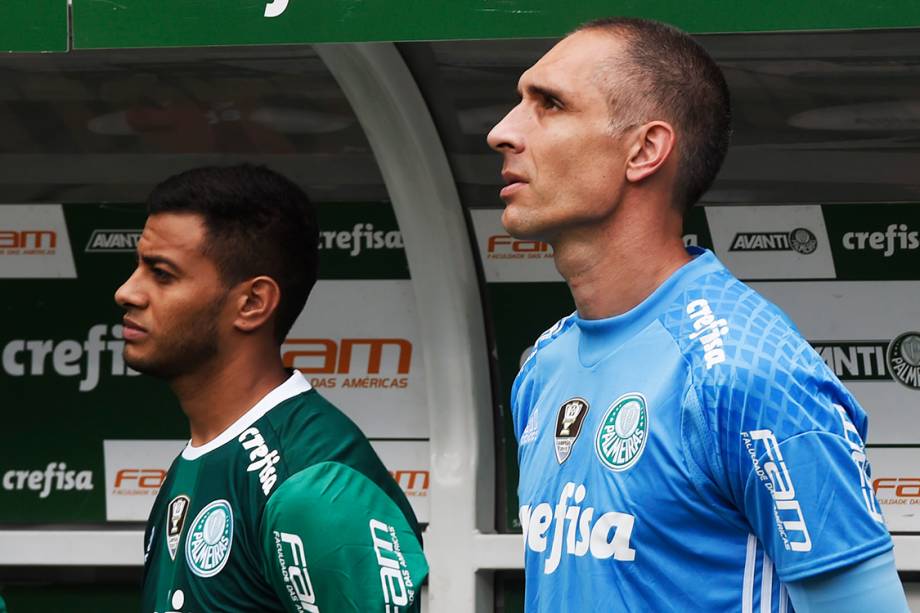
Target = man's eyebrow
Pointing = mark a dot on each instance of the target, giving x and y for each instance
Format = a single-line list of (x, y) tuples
[(543, 91), (153, 260)]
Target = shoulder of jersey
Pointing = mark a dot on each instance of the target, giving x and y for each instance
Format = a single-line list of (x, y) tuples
[(720, 324), (291, 436), (544, 340)]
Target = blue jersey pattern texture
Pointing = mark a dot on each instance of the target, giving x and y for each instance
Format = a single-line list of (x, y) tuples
[(692, 454)]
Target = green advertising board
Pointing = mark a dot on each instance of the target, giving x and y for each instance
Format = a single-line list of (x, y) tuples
[(33, 26), (175, 23), (62, 375)]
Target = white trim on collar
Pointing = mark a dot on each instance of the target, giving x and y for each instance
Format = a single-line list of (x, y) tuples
[(295, 384)]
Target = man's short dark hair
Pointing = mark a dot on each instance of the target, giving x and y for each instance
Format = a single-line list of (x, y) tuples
[(257, 222), (670, 74)]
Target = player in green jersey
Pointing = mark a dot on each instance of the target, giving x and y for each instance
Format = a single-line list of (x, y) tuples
[(278, 502)]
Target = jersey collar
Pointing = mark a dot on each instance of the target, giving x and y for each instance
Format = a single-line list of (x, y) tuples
[(296, 384), (600, 337)]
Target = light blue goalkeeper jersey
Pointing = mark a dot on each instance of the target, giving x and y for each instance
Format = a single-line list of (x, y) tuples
[(692, 454)]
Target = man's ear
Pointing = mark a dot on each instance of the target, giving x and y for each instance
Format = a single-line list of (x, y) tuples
[(651, 148), (257, 302)]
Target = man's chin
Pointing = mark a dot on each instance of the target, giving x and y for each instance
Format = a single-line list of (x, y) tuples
[(152, 368), (522, 228), (516, 224)]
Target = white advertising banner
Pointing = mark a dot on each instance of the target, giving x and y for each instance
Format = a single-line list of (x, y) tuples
[(896, 481), (358, 343), (508, 260), (868, 334), (772, 242), (34, 243), (409, 462), (134, 472)]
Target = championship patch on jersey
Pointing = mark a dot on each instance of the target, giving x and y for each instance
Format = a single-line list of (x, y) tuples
[(210, 536), (623, 432), (568, 426), (175, 520)]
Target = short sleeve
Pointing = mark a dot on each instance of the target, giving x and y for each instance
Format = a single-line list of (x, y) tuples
[(809, 500), (521, 393), (334, 542)]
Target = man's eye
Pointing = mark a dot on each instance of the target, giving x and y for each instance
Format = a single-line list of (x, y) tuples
[(551, 103), (161, 275)]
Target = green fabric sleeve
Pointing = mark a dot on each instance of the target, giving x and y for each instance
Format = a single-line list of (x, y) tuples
[(335, 543)]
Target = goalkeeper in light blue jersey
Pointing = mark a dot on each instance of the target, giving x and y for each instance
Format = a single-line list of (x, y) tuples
[(681, 446)]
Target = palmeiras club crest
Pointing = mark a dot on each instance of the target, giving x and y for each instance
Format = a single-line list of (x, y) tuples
[(623, 432), (568, 426), (175, 520), (904, 359), (209, 539)]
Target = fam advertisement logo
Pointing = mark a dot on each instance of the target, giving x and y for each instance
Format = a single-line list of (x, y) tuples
[(505, 247), (34, 243), (896, 237), (82, 359), (138, 481), (897, 490), (360, 238), (113, 241), (134, 473), (898, 359), (28, 242), (55, 477), (414, 482), (375, 363), (800, 240)]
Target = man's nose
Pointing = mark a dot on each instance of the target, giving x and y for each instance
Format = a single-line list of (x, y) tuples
[(129, 294), (506, 134)]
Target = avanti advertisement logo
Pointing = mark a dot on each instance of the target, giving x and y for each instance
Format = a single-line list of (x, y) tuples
[(113, 241), (801, 240), (868, 360), (776, 242)]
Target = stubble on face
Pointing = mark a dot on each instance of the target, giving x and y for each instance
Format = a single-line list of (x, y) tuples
[(571, 163), (175, 298), (184, 348)]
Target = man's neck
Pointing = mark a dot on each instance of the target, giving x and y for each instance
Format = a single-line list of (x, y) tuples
[(219, 393), (612, 267)]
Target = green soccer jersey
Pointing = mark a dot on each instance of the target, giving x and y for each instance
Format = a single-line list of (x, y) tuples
[(289, 509)]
